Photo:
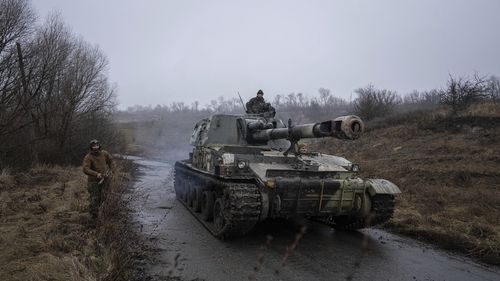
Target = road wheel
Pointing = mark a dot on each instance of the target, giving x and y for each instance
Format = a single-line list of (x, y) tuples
[(190, 194), (219, 219), (366, 206), (184, 191), (207, 205), (177, 189), (197, 199)]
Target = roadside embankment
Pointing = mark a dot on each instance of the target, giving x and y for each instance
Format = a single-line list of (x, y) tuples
[(447, 167), (46, 232)]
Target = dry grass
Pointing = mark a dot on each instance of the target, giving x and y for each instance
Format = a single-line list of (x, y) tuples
[(44, 236), (120, 247), (448, 169), (46, 232)]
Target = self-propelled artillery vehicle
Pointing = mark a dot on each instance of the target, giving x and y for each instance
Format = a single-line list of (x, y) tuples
[(248, 168)]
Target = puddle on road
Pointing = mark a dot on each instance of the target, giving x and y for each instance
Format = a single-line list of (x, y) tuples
[(152, 192)]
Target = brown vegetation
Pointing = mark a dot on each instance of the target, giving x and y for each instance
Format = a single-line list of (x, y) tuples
[(447, 166), (46, 232)]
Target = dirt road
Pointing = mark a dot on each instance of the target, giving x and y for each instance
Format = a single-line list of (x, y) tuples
[(188, 252)]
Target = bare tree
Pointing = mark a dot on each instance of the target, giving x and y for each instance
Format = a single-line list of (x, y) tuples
[(324, 96), (46, 63), (222, 105), (16, 25), (61, 96), (278, 99), (463, 91), (195, 106), (178, 106), (494, 88), (84, 88), (16, 22), (417, 100)]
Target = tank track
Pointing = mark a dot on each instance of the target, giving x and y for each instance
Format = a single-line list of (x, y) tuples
[(241, 201), (382, 210)]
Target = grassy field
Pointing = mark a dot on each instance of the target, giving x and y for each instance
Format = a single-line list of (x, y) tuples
[(448, 169), (46, 232)]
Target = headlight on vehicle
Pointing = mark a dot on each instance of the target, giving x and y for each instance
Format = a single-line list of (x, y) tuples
[(242, 164), (355, 168)]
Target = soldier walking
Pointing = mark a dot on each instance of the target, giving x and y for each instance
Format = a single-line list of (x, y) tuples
[(97, 165)]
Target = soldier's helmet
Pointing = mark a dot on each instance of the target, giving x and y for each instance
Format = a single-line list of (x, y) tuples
[(94, 142)]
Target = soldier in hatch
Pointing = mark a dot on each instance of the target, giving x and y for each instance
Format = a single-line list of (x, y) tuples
[(97, 165), (258, 105)]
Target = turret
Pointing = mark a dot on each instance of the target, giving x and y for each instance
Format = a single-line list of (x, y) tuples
[(245, 130)]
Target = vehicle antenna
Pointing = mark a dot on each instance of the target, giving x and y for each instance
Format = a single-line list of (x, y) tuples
[(242, 103)]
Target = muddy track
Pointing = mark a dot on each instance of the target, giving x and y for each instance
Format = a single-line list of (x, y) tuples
[(278, 250)]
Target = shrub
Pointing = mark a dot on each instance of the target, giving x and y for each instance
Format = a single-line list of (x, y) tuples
[(373, 102)]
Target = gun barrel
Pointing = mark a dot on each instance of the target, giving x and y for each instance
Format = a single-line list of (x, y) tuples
[(345, 127)]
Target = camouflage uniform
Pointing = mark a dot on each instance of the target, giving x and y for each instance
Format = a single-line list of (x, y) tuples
[(258, 105), (95, 163)]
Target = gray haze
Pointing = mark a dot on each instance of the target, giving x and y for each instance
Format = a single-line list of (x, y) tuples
[(165, 51)]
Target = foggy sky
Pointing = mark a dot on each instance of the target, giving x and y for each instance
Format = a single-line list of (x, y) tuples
[(165, 51)]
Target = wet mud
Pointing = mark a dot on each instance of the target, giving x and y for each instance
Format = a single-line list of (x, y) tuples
[(279, 250)]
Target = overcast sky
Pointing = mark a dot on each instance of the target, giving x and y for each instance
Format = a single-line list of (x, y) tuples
[(165, 51)]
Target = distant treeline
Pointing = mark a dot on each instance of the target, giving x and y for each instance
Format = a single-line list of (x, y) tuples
[(163, 131), (369, 103), (54, 90)]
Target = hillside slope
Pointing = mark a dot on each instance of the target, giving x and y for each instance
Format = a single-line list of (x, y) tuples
[(448, 170)]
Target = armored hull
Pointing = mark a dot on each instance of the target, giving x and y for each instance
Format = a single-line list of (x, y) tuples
[(246, 169)]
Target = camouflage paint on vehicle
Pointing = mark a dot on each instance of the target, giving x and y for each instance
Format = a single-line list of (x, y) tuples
[(248, 168)]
